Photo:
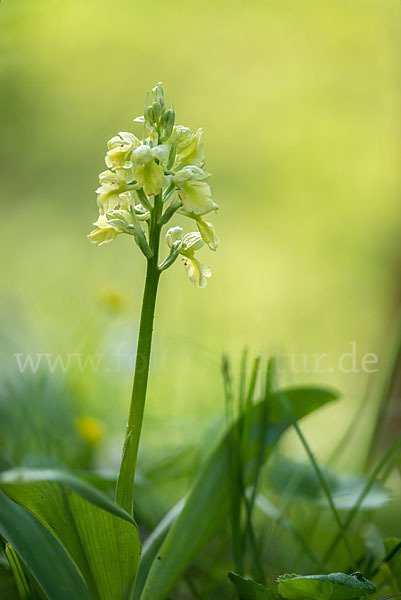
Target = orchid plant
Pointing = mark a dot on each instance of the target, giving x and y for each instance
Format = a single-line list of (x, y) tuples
[(64, 538), (147, 183)]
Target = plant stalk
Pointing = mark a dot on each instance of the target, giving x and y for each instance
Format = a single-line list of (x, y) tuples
[(125, 483)]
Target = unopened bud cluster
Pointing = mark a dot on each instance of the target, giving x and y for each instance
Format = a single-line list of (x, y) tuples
[(165, 166)]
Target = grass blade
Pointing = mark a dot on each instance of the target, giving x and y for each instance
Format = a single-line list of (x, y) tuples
[(18, 572), (323, 483), (394, 447)]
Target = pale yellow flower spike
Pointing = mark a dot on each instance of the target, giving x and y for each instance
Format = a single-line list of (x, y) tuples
[(148, 181)]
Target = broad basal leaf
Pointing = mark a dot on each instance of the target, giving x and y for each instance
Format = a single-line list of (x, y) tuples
[(324, 587), (38, 548), (101, 538)]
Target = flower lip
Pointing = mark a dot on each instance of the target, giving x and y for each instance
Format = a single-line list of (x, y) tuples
[(191, 242)]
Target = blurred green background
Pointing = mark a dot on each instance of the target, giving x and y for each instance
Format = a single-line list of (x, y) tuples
[(299, 101)]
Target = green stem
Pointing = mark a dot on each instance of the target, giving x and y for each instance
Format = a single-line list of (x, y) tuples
[(125, 483)]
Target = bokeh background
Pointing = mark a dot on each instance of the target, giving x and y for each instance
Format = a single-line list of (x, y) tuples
[(299, 102)]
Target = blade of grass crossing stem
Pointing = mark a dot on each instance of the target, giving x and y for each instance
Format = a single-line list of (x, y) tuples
[(387, 385), (323, 483), (248, 405), (389, 556), (348, 435), (18, 572), (234, 467), (242, 381), (394, 447)]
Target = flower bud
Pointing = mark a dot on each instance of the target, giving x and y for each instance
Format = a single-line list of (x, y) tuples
[(181, 136), (167, 124), (190, 173), (120, 220), (159, 105), (171, 156), (174, 234), (161, 152), (150, 116), (141, 213), (158, 93), (142, 155)]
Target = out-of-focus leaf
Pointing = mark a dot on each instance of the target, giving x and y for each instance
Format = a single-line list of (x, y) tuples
[(324, 587), (250, 590), (299, 482), (41, 552), (101, 538), (35, 430), (273, 513), (208, 502), (348, 489), (394, 563)]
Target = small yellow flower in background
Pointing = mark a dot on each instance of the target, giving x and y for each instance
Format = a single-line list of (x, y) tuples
[(113, 300), (90, 429)]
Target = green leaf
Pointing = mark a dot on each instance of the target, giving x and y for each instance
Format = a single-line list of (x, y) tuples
[(298, 482), (324, 587), (38, 548), (391, 547), (250, 590), (152, 545), (208, 501), (100, 536)]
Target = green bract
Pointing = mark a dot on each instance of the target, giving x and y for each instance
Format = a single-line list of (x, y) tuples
[(160, 175)]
